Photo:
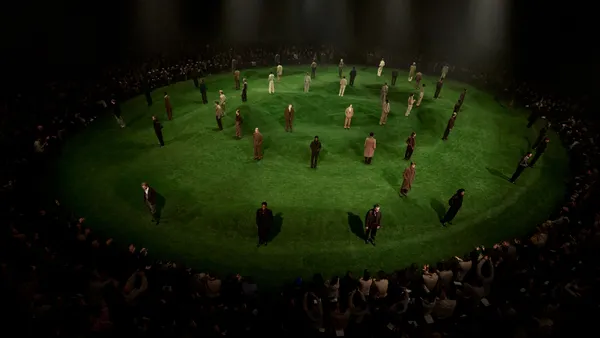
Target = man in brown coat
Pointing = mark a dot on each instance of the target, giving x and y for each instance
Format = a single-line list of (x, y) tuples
[(370, 145), (418, 79), (407, 179), (288, 114), (449, 126), (236, 78), (219, 114), (168, 106), (258, 140)]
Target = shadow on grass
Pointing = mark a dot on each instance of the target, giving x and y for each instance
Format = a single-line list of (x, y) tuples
[(497, 173), (161, 201), (439, 208), (277, 225), (356, 225)]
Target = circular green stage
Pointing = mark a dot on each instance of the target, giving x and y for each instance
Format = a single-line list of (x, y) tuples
[(211, 186)]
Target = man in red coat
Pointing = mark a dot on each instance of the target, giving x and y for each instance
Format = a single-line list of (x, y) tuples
[(168, 106)]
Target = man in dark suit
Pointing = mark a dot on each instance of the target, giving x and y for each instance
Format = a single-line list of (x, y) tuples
[(394, 76), (315, 148), (203, 91), (264, 221), (457, 106), (372, 224), (438, 88), (455, 203), (523, 164), (352, 76), (449, 126), (541, 136), (158, 130), (461, 99), (539, 150), (150, 201)]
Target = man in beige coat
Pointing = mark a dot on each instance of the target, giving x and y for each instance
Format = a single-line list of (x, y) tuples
[(349, 114), (343, 83), (307, 80), (370, 145), (385, 110), (421, 94), (411, 102)]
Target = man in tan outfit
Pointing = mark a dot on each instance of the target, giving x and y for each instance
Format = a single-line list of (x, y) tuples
[(411, 102), (343, 83), (370, 145), (349, 114), (385, 110)]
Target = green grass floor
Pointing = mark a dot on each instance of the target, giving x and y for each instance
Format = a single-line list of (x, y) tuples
[(211, 186)]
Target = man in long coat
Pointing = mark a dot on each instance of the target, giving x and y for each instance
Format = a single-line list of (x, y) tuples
[(158, 130), (219, 115), (449, 126), (410, 145), (258, 140), (223, 101), (236, 79), (264, 221), (341, 67), (411, 102), (288, 115), (418, 78), (383, 92), (438, 88), (349, 114), (421, 94), (313, 69), (372, 224), (411, 71), (370, 145), (271, 83), (385, 111), (203, 91), (407, 179), (238, 124), (307, 81), (380, 68), (343, 83), (279, 72), (245, 91), (315, 149), (455, 203), (168, 106)]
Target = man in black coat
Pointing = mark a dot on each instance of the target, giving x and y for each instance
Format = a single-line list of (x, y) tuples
[(541, 136), (438, 88), (539, 150), (372, 224), (203, 91), (158, 130), (394, 76), (150, 201), (264, 221), (352, 76), (315, 148), (455, 203)]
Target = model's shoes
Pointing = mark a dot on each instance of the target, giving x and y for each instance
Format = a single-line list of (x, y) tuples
[(450, 223)]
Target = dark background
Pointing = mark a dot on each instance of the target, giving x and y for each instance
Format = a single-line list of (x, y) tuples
[(548, 39)]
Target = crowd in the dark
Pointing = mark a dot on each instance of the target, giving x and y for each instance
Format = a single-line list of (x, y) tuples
[(59, 278)]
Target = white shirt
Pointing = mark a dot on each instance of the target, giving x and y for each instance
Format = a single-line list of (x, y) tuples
[(271, 77), (146, 192), (382, 63), (290, 107)]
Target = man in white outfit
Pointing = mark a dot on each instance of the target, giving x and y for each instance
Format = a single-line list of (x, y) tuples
[(306, 82), (271, 83), (343, 83), (380, 69)]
